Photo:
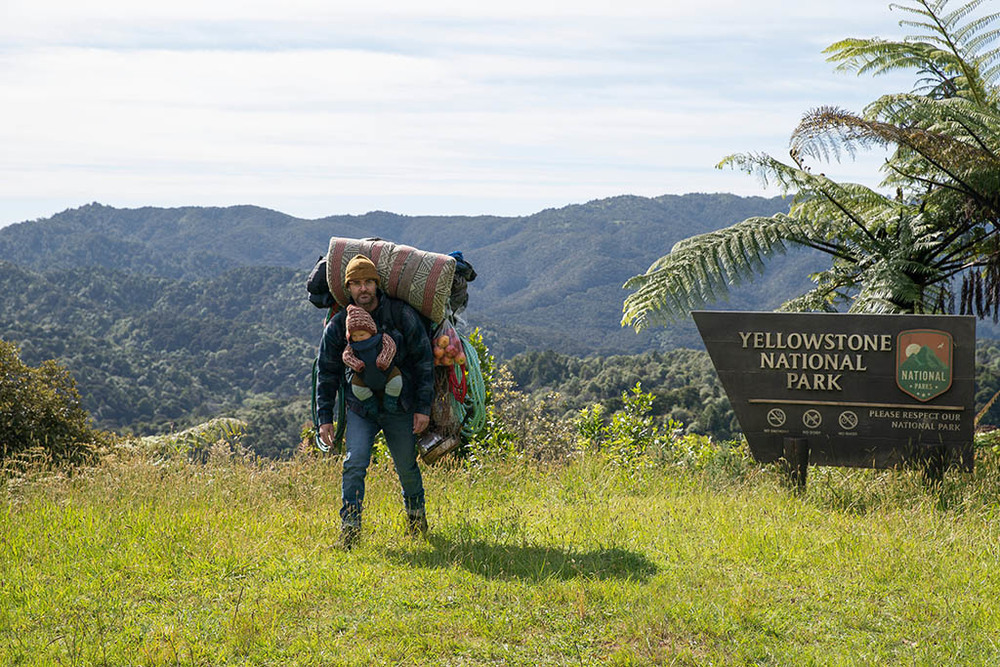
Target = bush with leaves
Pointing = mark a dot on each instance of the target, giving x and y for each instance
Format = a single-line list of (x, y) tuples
[(487, 362), (633, 437), (632, 430), (40, 412), (629, 433), (522, 426)]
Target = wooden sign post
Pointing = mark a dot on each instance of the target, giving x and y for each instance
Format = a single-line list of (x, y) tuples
[(871, 391)]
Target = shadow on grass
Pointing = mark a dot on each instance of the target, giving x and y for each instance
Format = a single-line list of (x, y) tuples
[(529, 562)]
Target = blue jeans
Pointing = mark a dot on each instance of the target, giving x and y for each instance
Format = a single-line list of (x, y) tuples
[(358, 440)]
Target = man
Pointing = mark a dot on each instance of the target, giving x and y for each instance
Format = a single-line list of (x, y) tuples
[(411, 413)]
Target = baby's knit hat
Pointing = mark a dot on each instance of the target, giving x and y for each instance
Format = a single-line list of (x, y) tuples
[(358, 319)]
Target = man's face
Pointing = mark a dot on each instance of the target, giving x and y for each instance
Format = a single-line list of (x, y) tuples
[(364, 293)]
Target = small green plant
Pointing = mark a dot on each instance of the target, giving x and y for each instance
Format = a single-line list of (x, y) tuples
[(632, 430), (693, 450), (214, 440), (307, 439), (628, 435), (590, 427)]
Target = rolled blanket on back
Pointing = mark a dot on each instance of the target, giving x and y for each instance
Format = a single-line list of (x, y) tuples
[(422, 279)]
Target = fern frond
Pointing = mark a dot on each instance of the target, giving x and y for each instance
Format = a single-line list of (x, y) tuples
[(947, 52), (701, 269), (939, 142), (819, 299)]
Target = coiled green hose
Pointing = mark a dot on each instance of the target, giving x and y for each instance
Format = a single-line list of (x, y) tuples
[(472, 413)]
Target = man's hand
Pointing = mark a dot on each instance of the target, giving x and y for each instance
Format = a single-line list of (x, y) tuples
[(420, 422), (326, 432)]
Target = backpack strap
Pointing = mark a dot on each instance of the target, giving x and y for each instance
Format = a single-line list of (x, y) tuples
[(396, 310), (341, 402), (396, 317)]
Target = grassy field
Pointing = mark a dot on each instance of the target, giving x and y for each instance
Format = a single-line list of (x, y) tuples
[(236, 563)]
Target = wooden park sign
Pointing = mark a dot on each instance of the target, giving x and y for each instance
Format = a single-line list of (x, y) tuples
[(873, 391)]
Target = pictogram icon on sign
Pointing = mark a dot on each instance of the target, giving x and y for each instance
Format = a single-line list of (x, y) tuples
[(848, 420), (776, 417)]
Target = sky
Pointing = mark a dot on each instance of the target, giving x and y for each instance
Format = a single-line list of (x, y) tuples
[(437, 107)]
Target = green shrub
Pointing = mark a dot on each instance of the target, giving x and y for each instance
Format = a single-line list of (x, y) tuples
[(590, 426), (629, 435), (633, 438), (519, 426), (487, 362), (632, 430), (40, 413)]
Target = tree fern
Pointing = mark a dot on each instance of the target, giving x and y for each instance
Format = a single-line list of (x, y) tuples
[(897, 253)]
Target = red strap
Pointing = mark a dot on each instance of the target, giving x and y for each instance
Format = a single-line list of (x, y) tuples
[(459, 388)]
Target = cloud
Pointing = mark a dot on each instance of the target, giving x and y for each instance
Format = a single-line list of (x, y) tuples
[(312, 106)]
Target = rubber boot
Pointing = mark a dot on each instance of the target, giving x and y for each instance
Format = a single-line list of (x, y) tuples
[(350, 535), (350, 531), (416, 523)]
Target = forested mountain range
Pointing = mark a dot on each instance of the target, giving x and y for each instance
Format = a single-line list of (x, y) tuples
[(152, 354), (170, 316), (167, 317), (552, 279)]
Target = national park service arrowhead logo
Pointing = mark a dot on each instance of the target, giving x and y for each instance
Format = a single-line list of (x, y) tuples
[(924, 362)]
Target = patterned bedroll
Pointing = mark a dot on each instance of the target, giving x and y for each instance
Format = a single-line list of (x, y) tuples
[(422, 279)]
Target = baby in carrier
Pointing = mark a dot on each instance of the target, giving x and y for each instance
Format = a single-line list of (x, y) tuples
[(370, 355)]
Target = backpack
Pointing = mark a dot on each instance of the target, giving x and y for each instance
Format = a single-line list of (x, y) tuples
[(321, 297), (318, 288), (464, 274)]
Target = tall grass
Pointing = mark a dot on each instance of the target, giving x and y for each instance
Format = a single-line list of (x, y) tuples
[(157, 562)]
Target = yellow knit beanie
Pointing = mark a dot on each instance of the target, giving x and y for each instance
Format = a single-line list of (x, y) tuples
[(359, 269)]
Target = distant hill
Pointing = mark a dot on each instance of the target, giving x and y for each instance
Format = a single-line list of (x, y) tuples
[(548, 280), (168, 316)]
